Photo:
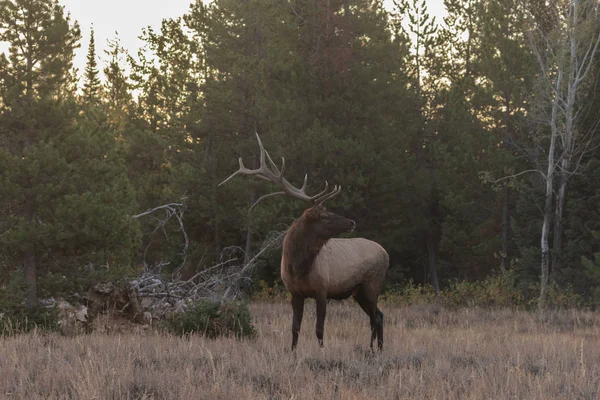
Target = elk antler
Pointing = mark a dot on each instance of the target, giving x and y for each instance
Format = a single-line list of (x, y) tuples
[(275, 175)]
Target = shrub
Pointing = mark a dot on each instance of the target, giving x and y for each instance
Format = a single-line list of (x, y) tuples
[(499, 290), (56, 284), (267, 293), (15, 322), (495, 291), (14, 317), (213, 319), (558, 297), (409, 294)]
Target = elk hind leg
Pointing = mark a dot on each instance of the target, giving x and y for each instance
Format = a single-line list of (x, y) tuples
[(379, 324), (370, 308)]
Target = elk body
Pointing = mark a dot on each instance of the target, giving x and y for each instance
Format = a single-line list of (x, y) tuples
[(315, 264)]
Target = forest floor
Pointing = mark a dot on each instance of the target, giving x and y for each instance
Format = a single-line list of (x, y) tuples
[(429, 353)]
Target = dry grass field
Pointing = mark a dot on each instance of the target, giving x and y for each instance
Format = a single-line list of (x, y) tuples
[(429, 353)]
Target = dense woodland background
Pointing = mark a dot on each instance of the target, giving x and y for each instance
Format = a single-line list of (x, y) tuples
[(466, 147)]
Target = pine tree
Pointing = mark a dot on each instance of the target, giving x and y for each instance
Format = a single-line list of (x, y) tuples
[(91, 82), (117, 89), (42, 40), (64, 185), (424, 71)]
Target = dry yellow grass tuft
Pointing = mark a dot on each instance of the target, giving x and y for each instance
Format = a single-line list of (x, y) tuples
[(429, 353)]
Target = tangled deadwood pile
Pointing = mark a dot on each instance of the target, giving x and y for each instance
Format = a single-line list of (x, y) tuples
[(224, 281), (151, 297)]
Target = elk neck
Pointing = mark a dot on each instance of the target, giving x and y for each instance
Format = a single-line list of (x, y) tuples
[(300, 247)]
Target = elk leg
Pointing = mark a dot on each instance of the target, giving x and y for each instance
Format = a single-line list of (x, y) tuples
[(321, 310), (298, 310), (379, 321), (370, 309)]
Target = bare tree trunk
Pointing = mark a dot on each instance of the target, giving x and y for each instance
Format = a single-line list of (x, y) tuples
[(248, 247), (558, 220), (212, 165), (545, 247), (568, 54), (567, 137), (430, 242), (505, 262), (29, 264), (431, 263)]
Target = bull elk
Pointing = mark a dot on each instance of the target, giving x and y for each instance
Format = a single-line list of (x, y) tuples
[(316, 265)]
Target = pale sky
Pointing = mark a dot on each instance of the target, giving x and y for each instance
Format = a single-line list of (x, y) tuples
[(128, 17)]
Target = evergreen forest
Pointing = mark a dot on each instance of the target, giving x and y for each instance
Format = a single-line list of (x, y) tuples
[(467, 147)]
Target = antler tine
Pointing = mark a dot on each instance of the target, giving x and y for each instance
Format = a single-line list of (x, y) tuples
[(304, 184), (242, 170), (282, 165), (262, 172), (334, 192), (264, 197), (273, 165), (265, 154), (321, 193)]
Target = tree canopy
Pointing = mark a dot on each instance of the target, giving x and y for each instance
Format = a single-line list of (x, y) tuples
[(441, 133)]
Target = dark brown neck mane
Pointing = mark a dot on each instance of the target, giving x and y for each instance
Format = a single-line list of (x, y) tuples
[(300, 247)]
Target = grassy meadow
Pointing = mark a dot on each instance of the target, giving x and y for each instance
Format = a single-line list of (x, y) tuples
[(429, 353)]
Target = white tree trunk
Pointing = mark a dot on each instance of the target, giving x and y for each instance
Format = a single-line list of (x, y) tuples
[(582, 17), (544, 245), (566, 57)]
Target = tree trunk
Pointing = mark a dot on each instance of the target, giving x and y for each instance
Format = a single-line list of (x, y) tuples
[(29, 264), (545, 267), (545, 247), (212, 164), (431, 261), (30, 277), (248, 247), (505, 262), (558, 218)]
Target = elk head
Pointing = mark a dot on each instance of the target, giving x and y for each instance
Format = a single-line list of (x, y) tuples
[(326, 224)]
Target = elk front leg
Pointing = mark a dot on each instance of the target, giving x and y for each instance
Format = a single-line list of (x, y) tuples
[(321, 310), (298, 310)]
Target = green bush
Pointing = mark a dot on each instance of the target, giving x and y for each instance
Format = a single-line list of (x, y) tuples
[(214, 319), (55, 284), (266, 293), (499, 290), (15, 318), (558, 297), (409, 294), (14, 322), (495, 291)]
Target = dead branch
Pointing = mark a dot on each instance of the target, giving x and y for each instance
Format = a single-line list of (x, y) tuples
[(170, 210), (223, 281)]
